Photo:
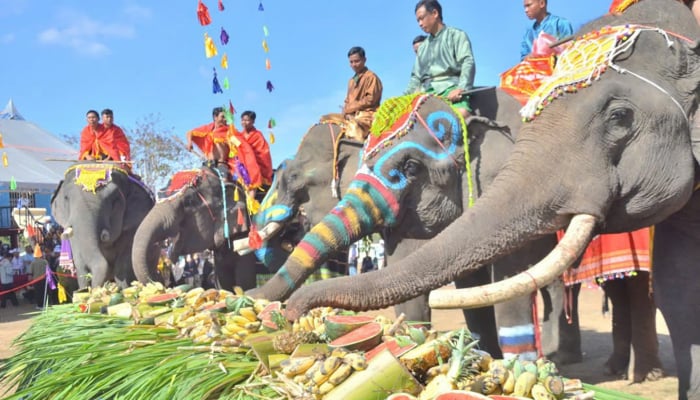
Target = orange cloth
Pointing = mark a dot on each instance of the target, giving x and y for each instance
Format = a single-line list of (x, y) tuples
[(207, 135), (612, 256), (523, 79), (262, 153), (101, 142)]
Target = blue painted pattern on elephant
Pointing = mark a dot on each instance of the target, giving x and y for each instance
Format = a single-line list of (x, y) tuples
[(433, 119)]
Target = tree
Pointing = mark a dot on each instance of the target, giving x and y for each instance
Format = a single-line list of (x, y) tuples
[(156, 152)]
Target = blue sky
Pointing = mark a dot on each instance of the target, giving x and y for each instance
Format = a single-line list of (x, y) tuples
[(63, 57)]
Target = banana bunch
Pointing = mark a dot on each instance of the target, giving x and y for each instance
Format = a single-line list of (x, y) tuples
[(202, 327), (150, 289), (313, 320), (239, 325), (318, 375)]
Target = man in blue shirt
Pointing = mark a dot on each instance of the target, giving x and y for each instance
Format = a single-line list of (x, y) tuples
[(544, 22)]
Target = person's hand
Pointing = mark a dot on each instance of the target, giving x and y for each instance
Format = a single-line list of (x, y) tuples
[(89, 157), (189, 145), (251, 193), (455, 95)]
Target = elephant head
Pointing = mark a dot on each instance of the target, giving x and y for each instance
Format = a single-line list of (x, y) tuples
[(304, 189), (204, 214), (100, 206), (613, 154), (410, 181)]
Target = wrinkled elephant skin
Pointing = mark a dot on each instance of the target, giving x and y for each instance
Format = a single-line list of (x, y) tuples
[(103, 221)]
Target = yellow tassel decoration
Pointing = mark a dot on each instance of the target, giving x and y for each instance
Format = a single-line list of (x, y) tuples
[(4, 160), (272, 138)]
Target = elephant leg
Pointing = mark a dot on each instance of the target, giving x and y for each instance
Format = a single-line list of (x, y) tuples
[(516, 330), (677, 290), (616, 290), (233, 269), (416, 309), (482, 321), (645, 343), (561, 334)]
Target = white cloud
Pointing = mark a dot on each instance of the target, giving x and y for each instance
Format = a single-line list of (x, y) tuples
[(83, 34), (7, 38)]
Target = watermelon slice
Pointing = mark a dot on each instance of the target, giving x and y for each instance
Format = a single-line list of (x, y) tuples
[(161, 299), (393, 347), (266, 316), (339, 325), (361, 339), (401, 396), (217, 307)]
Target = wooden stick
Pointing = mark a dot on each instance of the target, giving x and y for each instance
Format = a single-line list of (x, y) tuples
[(92, 161)]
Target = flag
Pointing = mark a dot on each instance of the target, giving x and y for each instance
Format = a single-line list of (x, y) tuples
[(203, 14)]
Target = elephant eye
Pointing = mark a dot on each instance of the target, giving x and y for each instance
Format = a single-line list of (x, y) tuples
[(621, 115), (411, 168)]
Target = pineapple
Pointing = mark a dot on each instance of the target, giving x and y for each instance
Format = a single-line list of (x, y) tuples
[(288, 341)]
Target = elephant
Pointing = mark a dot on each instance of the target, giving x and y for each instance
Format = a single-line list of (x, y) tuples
[(607, 148), (194, 218), (100, 206), (307, 178)]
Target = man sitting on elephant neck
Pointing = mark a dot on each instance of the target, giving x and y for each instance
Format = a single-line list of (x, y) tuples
[(363, 96), (444, 63), (223, 144), (103, 142)]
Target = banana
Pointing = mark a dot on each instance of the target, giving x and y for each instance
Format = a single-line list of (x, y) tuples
[(487, 385), (252, 326), (329, 366), (539, 392), (238, 320), (438, 370), (340, 374), (509, 384), (529, 366), (485, 360), (248, 313), (339, 352), (554, 385), (498, 371), (298, 365), (356, 360), (301, 379), (260, 305), (524, 384), (325, 387), (305, 323), (517, 368), (315, 367)]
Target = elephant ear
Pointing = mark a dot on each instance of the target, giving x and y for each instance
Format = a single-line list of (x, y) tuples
[(689, 85)]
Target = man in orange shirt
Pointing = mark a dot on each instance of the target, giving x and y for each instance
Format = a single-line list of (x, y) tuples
[(119, 140), (103, 142), (257, 141), (215, 140)]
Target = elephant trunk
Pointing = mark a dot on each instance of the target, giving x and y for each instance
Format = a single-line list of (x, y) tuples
[(366, 206), (160, 223), (503, 220)]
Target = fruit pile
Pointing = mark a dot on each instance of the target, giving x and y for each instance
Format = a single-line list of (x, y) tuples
[(327, 353)]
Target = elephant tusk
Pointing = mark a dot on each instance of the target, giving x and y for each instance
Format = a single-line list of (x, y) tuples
[(567, 251), (242, 246), (67, 233)]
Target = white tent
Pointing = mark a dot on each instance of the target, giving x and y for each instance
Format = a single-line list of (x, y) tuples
[(29, 150)]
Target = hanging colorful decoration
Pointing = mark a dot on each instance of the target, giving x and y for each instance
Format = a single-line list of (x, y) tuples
[(260, 7), (13, 183), (269, 86), (264, 45), (216, 87), (271, 124), (267, 64), (225, 84), (4, 159), (223, 36), (203, 14), (221, 5), (2, 145), (265, 31), (224, 61), (230, 108), (209, 46)]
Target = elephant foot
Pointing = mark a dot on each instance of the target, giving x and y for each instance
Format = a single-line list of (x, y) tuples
[(616, 367), (654, 375), (565, 358)]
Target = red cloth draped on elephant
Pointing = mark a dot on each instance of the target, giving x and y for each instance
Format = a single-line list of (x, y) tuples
[(104, 142)]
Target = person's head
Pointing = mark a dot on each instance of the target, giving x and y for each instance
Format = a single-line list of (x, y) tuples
[(107, 117), (357, 59), (219, 116), (28, 249), (417, 41), (93, 118), (535, 9), (429, 16), (248, 120)]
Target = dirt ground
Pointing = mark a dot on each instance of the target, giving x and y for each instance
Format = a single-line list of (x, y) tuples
[(595, 332)]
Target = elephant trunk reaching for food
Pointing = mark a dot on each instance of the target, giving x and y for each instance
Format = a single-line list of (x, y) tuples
[(161, 223), (363, 207)]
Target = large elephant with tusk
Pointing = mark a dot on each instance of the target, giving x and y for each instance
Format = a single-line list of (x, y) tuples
[(206, 212), (438, 195), (100, 205), (614, 154)]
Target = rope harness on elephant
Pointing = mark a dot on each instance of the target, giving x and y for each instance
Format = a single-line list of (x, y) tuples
[(584, 61)]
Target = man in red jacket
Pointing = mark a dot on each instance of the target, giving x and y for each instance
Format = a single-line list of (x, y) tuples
[(257, 141), (99, 142)]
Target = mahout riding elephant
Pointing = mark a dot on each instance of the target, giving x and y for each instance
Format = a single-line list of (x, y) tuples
[(100, 205), (426, 206), (614, 155), (204, 214)]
